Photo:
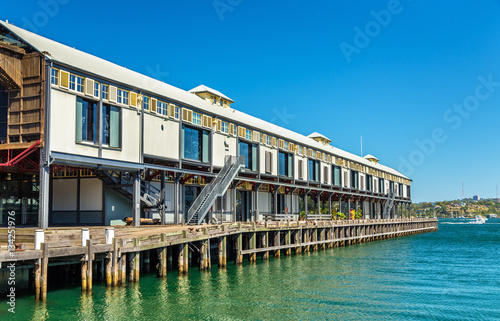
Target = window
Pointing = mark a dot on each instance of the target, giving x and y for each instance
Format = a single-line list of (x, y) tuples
[(269, 162), (285, 163), (76, 83), (381, 185), (54, 76), (249, 151), (224, 127), (269, 140), (145, 103), (400, 187), (161, 107), (300, 150), (72, 82), (86, 123), (301, 168), (214, 100), (96, 89), (248, 134), (391, 187), (195, 144), (285, 145), (221, 102), (325, 174), (313, 168), (177, 112), (111, 125), (336, 180), (86, 118), (122, 96), (197, 119), (369, 183), (354, 179), (104, 91)]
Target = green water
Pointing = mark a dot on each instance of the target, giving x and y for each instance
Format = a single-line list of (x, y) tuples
[(453, 274)]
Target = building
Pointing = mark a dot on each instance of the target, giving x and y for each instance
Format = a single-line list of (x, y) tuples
[(476, 198), (87, 142)]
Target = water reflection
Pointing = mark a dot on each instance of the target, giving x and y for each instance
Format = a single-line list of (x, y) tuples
[(40, 311), (135, 300), (86, 307)]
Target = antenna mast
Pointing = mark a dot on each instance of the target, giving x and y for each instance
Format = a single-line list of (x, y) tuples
[(361, 146)]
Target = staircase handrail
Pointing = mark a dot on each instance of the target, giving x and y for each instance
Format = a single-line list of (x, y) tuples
[(209, 188), (214, 189), (221, 188)]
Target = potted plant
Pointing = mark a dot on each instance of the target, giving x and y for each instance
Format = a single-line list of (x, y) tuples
[(302, 215)]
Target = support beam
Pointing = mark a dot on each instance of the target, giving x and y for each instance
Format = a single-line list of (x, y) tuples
[(222, 251), (45, 271), (277, 241), (238, 258), (288, 238), (252, 244), (265, 243)]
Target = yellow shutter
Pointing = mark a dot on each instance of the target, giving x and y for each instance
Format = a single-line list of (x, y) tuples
[(256, 136), (187, 115), (133, 99), (207, 121), (217, 124), (153, 105), (64, 83), (113, 93), (171, 110), (281, 143), (274, 142), (263, 139), (241, 131), (89, 87), (231, 129)]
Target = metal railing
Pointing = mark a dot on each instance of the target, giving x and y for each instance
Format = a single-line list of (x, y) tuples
[(215, 188)]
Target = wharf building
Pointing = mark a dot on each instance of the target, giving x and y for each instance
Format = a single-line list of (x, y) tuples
[(87, 142)]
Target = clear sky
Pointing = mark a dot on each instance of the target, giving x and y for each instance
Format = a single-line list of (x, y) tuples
[(418, 80)]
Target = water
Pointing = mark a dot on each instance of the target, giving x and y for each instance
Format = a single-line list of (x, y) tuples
[(453, 274)]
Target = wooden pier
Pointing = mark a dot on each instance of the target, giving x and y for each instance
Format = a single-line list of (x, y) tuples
[(117, 255)]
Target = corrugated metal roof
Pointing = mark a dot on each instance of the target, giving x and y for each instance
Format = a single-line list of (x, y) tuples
[(75, 58), (203, 88)]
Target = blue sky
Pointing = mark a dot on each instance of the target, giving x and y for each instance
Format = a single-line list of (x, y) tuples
[(419, 80)]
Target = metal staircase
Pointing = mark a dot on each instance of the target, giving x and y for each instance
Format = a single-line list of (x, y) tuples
[(389, 204), (123, 183), (214, 189)]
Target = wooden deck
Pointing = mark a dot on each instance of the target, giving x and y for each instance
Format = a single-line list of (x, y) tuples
[(132, 247)]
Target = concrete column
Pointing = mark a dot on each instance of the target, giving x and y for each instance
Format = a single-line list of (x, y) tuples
[(233, 200), (162, 197), (136, 212), (275, 200), (318, 201), (177, 192), (43, 207)]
